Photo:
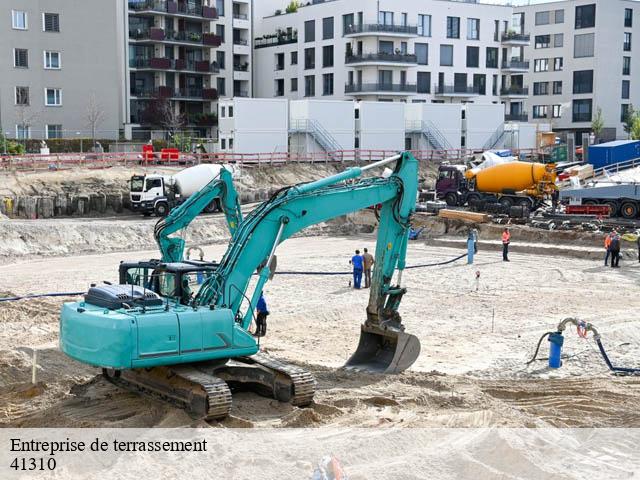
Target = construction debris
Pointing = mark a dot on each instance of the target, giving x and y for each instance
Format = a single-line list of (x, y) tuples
[(465, 216)]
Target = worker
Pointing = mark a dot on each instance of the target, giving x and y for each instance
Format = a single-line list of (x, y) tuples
[(358, 265), (555, 196), (261, 319), (185, 298), (506, 240), (367, 261), (607, 247), (415, 234), (615, 250), (474, 232)]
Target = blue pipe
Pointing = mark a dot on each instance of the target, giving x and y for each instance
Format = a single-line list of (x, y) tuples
[(556, 341)]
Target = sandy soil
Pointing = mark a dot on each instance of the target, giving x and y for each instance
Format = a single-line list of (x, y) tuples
[(471, 371)]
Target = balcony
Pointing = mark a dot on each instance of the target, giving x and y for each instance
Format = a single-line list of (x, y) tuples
[(172, 36), (516, 66), (514, 92), (203, 119), (178, 65), (443, 90), (240, 41), (401, 59), (516, 117), (193, 94), (516, 39), (168, 7), (240, 93), (403, 89), (275, 39), (367, 29)]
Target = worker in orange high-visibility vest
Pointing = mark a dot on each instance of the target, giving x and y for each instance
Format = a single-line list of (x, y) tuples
[(607, 247), (506, 239)]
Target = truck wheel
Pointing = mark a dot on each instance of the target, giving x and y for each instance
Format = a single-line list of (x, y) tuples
[(211, 207), (474, 198), (162, 209), (525, 202), (629, 210), (589, 202), (506, 202), (613, 208), (451, 199)]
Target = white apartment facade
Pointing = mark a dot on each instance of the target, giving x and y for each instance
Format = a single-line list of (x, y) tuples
[(584, 57)]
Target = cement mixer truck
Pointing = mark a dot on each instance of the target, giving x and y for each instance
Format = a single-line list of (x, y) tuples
[(510, 184), (159, 194)]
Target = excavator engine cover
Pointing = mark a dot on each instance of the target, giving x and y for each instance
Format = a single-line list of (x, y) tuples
[(383, 350)]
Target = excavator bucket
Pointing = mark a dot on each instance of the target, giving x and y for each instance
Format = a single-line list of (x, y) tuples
[(384, 351)]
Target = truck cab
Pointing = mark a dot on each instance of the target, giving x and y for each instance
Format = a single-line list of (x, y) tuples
[(450, 184), (150, 194)]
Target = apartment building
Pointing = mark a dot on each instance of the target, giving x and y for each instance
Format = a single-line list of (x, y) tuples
[(62, 68), (582, 54)]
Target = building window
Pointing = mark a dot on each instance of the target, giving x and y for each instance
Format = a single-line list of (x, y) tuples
[(624, 112), (543, 41), (54, 131), (280, 87), (473, 29), (52, 97), (540, 111), (404, 19), (310, 31), (19, 20), (294, 58), (327, 56), (220, 7), (480, 83), (20, 58), (424, 25), (310, 86), (230, 111), (542, 18), (628, 17), (279, 61), (294, 84), (327, 28), (559, 16), (541, 65), (50, 22), (220, 32), (473, 57), (492, 57), (422, 53), (626, 87), (23, 132), (583, 45), (220, 59), (453, 27), (585, 16), (22, 95), (424, 82), (627, 42), (223, 144), (221, 86), (347, 23), (327, 84), (583, 81), (556, 111), (309, 58), (557, 64), (558, 40), (385, 18), (446, 55), (541, 88), (582, 110), (626, 65), (557, 87), (52, 60)]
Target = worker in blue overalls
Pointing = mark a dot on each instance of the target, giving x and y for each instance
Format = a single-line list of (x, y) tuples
[(261, 319), (358, 266)]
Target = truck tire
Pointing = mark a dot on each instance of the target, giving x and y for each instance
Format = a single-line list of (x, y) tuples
[(506, 202), (451, 199), (526, 203), (162, 209), (589, 202), (629, 210), (613, 207), (212, 207)]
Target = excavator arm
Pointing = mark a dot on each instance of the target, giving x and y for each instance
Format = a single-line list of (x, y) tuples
[(172, 248)]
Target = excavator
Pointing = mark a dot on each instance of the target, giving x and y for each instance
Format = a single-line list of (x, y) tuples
[(152, 334)]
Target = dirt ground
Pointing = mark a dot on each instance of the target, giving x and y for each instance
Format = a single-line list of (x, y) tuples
[(472, 372)]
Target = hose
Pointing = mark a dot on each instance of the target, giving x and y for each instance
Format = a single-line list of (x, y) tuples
[(535, 355), (620, 370), (42, 295)]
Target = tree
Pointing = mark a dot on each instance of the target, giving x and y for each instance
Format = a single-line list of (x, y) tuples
[(94, 116), (25, 117), (629, 119), (635, 129), (292, 7), (597, 125), (160, 112)]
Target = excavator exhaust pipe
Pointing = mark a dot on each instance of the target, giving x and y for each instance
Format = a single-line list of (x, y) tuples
[(383, 350)]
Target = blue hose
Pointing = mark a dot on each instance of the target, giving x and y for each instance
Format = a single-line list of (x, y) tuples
[(628, 371)]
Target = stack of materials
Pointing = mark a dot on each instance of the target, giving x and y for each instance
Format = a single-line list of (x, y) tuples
[(465, 216)]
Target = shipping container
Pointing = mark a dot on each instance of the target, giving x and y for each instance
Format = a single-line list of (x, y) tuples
[(610, 153)]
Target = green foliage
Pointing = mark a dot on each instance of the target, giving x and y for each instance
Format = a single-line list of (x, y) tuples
[(181, 142), (597, 125), (629, 119), (635, 129), (292, 7), (11, 147)]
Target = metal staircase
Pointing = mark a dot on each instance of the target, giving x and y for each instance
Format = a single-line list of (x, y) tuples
[(496, 138), (431, 133), (318, 133)]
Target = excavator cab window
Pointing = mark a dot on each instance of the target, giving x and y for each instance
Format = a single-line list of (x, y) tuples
[(167, 285), (138, 276)]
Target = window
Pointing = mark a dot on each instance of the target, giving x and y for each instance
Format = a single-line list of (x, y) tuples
[(558, 40), (424, 82), (424, 25), (543, 41), (492, 57), (54, 131), (52, 97), (541, 88), (327, 28), (583, 81), (556, 111), (347, 23), (422, 52), (557, 64), (52, 60), (230, 111), (385, 18), (585, 16), (221, 86), (557, 87), (541, 65), (480, 83), (220, 32), (628, 17), (542, 18), (385, 46), (294, 58), (446, 55), (627, 42), (473, 29), (23, 132), (19, 20), (279, 87), (404, 19), (559, 16), (624, 112), (327, 84), (626, 65), (294, 84), (327, 56), (310, 31), (22, 95), (582, 110), (279, 61), (494, 86), (473, 57), (50, 22), (626, 87), (220, 7), (20, 58), (223, 144), (385, 77), (453, 27), (583, 45), (309, 58), (220, 59), (310, 86), (540, 111)]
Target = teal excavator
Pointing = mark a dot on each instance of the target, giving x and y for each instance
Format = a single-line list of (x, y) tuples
[(153, 334)]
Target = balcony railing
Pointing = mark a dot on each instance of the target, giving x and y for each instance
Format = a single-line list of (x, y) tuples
[(515, 37), (160, 35), (380, 87), (442, 89), (241, 67), (380, 28), (516, 117), (275, 39), (240, 93), (240, 16), (381, 57), (516, 65), (180, 93), (174, 64), (171, 7), (240, 41), (514, 90)]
